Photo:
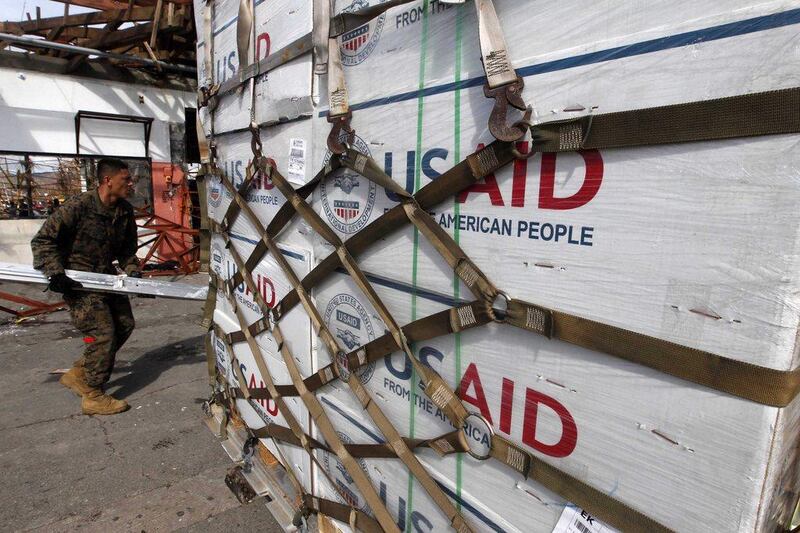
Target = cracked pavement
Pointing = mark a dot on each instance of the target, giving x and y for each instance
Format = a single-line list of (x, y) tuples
[(154, 468)]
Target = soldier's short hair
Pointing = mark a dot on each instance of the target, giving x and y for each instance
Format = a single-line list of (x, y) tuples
[(109, 166)]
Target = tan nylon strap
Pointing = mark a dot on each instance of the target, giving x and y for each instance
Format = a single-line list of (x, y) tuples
[(304, 210), (765, 113), (483, 162), (760, 384), (315, 409), (438, 390), (358, 520), (451, 252), (311, 402), (599, 504), (260, 360), (447, 444), (284, 216), (435, 387), (234, 207), (767, 386), (405, 454), (211, 301), (211, 361), (337, 446), (364, 165)]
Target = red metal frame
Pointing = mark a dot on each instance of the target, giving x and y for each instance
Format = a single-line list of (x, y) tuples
[(34, 307), (168, 243)]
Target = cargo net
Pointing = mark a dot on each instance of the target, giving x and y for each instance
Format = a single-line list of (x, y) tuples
[(489, 304), (755, 114)]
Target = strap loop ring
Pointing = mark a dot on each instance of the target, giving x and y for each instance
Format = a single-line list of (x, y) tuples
[(490, 431), (498, 309)]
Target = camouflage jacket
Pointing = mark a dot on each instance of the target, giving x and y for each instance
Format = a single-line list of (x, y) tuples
[(83, 234)]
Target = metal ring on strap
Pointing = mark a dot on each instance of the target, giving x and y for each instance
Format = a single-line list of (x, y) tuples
[(488, 454), (503, 297)]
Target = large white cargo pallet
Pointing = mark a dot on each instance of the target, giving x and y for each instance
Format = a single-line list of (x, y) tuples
[(694, 243)]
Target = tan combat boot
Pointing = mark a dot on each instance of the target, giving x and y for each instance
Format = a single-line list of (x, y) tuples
[(75, 380), (97, 403)]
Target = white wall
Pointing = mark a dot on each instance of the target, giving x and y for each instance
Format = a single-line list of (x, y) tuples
[(15, 240), (37, 114)]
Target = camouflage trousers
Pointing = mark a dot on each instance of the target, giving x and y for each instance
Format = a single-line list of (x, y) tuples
[(106, 321)]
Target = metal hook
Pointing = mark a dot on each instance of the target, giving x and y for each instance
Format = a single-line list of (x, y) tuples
[(505, 95), (341, 123), (255, 141), (527, 126)]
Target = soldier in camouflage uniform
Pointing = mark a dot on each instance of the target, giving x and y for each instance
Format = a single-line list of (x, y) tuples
[(88, 233)]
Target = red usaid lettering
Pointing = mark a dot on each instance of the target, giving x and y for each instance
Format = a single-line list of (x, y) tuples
[(592, 180), (569, 431), (588, 190), (471, 381), (262, 39)]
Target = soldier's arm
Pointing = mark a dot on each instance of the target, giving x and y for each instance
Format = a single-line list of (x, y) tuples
[(45, 244), (127, 252)]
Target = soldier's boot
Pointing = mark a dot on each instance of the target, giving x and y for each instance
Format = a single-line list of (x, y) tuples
[(75, 380), (98, 403)]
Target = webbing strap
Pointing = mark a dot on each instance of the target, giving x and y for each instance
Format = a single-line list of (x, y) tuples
[(494, 51), (600, 504), (447, 444), (280, 57), (435, 387), (565, 135), (453, 320), (356, 519), (284, 216), (439, 394), (320, 33), (760, 384), (244, 31), (767, 386), (765, 113), (315, 409), (350, 20)]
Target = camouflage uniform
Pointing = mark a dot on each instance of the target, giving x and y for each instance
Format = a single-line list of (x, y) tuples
[(83, 234)]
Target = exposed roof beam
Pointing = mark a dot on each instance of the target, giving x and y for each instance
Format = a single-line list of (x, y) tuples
[(103, 4), (27, 41), (117, 4), (96, 17), (118, 38)]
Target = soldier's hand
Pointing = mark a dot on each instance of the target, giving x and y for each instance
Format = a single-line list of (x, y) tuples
[(63, 283)]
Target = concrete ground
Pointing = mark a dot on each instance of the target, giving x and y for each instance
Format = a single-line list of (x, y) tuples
[(155, 467)]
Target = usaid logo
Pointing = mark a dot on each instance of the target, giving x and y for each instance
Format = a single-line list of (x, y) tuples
[(348, 198), (356, 45), (345, 484), (350, 324), (215, 192)]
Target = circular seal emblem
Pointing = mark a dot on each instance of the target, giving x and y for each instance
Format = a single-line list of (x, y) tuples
[(351, 325), (215, 192), (348, 198), (346, 490), (357, 44)]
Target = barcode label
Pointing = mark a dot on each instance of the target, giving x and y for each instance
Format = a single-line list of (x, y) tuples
[(580, 527), (297, 161)]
